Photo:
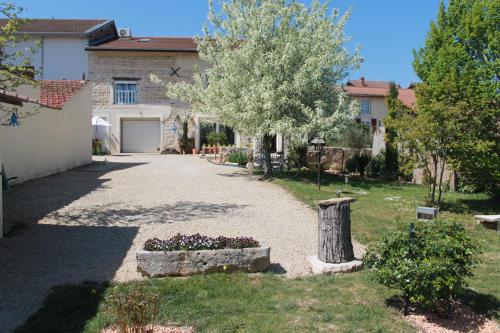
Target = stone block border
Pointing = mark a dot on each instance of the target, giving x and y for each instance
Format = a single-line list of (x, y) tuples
[(185, 263)]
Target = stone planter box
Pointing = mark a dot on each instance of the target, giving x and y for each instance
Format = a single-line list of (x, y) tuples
[(184, 263)]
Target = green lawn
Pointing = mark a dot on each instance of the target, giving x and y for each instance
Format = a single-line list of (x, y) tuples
[(384, 206), (269, 303)]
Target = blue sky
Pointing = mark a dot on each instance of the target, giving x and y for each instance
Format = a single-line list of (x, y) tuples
[(388, 30)]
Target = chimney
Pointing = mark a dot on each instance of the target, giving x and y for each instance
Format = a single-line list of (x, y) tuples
[(83, 76), (362, 80)]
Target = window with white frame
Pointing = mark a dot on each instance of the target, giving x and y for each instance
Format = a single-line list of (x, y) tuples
[(125, 92), (365, 106)]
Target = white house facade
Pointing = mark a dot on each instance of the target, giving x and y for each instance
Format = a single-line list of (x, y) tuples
[(59, 45)]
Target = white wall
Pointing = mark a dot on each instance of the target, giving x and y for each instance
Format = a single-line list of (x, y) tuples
[(64, 58), (51, 141), (56, 58), (378, 109), (115, 113)]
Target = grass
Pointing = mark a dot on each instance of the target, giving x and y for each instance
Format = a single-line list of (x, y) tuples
[(240, 303), (269, 303), (383, 206)]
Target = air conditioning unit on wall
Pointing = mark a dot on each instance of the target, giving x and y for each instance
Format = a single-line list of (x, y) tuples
[(124, 32)]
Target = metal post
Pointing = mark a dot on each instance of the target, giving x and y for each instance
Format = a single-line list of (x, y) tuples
[(319, 170)]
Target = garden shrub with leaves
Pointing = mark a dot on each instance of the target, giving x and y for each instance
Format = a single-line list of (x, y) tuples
[(430, 267), (134, 310), (215, 138), (358, 163), (240, 157), (376, 166), (199, 242)]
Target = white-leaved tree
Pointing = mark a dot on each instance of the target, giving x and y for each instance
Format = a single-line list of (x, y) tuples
[(274, 68), (16, 55)]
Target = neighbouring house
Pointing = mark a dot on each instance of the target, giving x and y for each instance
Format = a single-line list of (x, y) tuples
[(53, 133), (60, 45), (128, 76), (371, 97)]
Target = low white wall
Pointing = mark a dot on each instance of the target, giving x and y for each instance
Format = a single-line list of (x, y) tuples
[(50, 141)]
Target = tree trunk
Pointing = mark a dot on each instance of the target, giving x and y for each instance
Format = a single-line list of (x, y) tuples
[(440, 184), (335, 245), (266, 163)]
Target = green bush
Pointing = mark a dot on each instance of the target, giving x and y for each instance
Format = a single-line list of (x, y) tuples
[(430, 267), (134, 310), (215, 138), (297, 155), (240, 157), (376, 167), (357, 136), (358, 163), (362, 161), (351, 165)]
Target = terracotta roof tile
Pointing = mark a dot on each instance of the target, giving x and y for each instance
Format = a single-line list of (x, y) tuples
[(407, 97), (364, 88), (176, 44), (55, 93), (56, 25)]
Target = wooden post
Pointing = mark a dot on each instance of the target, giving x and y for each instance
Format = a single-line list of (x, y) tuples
[(335, 245)]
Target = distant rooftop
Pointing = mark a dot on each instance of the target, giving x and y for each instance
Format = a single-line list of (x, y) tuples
[(165, 44), (57, 25), (365, 88)]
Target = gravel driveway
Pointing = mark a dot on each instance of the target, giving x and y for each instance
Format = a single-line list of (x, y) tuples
[(87, 224)]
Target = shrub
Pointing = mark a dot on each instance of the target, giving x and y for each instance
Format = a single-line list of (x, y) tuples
[(351, 165), (428, 265), (215, 138), (135, 310), (376, 167), (198, 242), (357, 136), (297, 155), (362, 161), (240, 157), (358, 163), (184, 140)]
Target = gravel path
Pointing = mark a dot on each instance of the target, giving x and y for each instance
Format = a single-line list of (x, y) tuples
[(87, 224)]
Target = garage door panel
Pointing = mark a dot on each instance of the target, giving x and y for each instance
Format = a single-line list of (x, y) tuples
[(141, 136)]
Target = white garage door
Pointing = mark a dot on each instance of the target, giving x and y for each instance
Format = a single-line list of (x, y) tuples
[(141, 135)]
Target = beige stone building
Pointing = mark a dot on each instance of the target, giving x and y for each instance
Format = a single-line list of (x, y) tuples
[(128, 76)]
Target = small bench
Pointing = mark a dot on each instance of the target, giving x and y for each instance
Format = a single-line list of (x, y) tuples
[(489, 219)]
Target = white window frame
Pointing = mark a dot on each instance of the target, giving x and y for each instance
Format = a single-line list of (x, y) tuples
[(369, 106), (135, 82)]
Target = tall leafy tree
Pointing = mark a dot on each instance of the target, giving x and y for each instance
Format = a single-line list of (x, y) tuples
[(272, 68), (460, 68), (15, 55), (394, 106)]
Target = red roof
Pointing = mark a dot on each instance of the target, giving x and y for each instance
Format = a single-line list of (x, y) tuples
[(364, 88), (173, 44), (55, 93)]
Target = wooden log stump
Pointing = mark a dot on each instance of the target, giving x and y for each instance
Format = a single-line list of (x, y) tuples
[(335, 245)]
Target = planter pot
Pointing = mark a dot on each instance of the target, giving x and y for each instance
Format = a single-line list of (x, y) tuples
[(184, 263)]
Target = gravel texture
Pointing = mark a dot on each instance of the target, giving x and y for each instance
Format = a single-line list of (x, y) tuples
[(88, 223), (463, 320)]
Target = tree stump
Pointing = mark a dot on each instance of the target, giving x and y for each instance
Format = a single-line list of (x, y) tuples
[(335, 245)]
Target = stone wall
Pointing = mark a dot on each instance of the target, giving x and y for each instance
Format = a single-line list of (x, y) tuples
[(333, 158)]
